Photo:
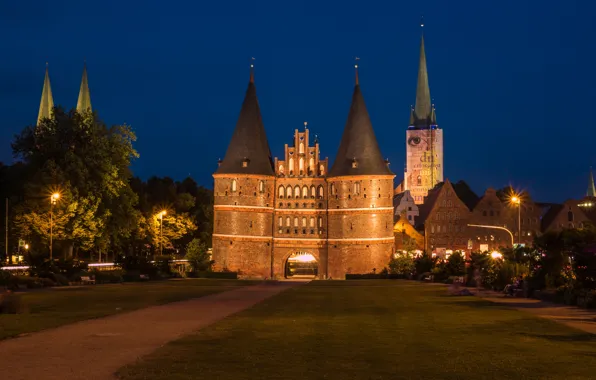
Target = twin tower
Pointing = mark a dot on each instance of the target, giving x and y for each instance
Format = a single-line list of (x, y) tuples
[(47, 99), (271, 213)]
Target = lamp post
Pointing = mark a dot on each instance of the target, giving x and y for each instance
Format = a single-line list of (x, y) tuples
[(53, 199), (517, 200), (161, 214)]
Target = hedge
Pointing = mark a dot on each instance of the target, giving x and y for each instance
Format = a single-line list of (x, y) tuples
[(374, 276)]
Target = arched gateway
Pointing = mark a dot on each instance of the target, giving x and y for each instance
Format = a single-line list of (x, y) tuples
[(301, 265)]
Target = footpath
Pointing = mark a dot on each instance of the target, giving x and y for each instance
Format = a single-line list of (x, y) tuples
[(581, 319), (96, 349)]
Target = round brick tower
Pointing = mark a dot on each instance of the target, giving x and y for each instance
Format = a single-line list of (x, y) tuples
[(360, 206), (243, 197)]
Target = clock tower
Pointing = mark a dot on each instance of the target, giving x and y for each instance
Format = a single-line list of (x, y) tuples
[(424, 140)]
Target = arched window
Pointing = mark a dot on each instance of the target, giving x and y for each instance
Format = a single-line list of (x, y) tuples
[(303, 221), (320, 222), (320, 191), (289, 191), (321, 170), (301, 148), (311, 165), (333, 189), (313, 191), (234, 185), (419, 181), (357, 188), (295, 221), (288, 222), (432, 229), (291, 165), (281, 169), (305, 192), (297, 192), (261, 187), (281, 191), (281, 221), (312, 221), (301, 165)]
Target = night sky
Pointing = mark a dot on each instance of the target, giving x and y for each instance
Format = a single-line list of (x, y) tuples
[(513, 83)]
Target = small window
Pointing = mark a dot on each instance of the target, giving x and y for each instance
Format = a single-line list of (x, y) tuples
[(409, 217), (320, 222), (234, 185), (261, 186), (296, 222), (281, 192), (281, 221)]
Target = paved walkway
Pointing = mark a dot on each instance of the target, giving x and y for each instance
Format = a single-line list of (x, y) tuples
[(575, 317), (96, 349)]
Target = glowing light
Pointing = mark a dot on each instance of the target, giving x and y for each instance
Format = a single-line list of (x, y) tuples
[(100, 265), (162, 213), (22, 267), (56, 196), (496, 255), (515, 199), (304, 258)]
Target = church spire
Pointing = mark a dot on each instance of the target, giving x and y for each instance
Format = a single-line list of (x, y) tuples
[(248, 152), (423, 108), (47, 101), (358, 152), (591, 190), (84, 102)]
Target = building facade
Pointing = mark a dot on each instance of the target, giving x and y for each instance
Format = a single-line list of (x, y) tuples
[(269, 212), (404, 203), (424, 140)]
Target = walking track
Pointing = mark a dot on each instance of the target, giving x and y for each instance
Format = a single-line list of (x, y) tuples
[(96, 349)]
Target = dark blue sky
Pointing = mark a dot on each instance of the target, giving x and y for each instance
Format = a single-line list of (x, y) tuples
[(513, 83)]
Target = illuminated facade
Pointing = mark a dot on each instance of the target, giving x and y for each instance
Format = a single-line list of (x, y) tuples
[(273, 217), (424, 140)]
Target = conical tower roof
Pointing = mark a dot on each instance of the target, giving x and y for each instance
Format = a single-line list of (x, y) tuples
[(358, 152), (423, 111), (47, 100), (591, 190), (84, 102), (248, 152)]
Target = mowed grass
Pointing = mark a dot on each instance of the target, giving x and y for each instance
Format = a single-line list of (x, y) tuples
[(56, 307), (374, 330)]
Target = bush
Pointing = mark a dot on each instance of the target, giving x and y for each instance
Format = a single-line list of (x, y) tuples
[(11, 303), (374, 276), (197, 256), (108, 276)]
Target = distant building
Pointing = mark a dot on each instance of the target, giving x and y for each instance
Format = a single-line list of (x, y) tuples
[(46, 105), (424, 140), (404, 202)]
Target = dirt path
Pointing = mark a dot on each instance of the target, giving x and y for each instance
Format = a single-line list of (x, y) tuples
[(575, 317), (96, 349)]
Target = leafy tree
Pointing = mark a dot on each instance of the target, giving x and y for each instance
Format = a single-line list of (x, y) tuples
[(424, 263), (455, 265), (197, 256), (402, 263), (86, 161)]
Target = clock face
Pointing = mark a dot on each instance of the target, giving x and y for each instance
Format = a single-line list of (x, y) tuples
[(413, 141)]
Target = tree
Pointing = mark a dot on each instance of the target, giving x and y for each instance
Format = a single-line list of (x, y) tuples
[(79, 156), (197, 256), (402, 263), (424, 263), (455, 265)]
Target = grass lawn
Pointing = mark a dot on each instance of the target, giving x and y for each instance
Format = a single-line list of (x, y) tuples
[(52, 308), (374, 330)]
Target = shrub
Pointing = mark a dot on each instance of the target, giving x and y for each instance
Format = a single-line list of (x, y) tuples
[(425, 263), (402, 263), (374, 276), (11, 303), (197, 256), (108, 276)]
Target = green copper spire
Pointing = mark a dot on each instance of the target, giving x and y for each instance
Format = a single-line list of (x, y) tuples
[(47, 101), (423, 108), (591, 190), (84, 102)]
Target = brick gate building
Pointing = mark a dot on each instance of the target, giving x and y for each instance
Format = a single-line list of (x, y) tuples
[(267, 210)]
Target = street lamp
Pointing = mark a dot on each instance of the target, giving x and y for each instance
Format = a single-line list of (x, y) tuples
[(517, 200), (53, 199), (161, 215)]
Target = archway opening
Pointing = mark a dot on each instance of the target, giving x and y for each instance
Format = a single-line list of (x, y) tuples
[(301, 265)]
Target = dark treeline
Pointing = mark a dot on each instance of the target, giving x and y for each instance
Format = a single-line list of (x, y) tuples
[(72, 183)]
